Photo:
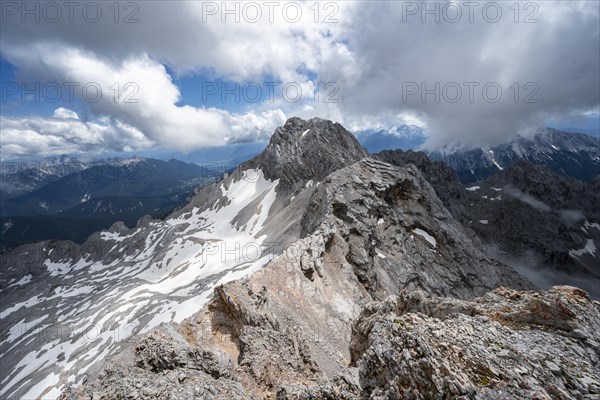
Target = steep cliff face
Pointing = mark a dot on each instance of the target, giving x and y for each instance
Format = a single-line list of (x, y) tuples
[(543, 224), (306, 151)]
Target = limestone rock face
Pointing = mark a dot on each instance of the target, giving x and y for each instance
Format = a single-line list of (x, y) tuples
[(506, 344), (302, 151)]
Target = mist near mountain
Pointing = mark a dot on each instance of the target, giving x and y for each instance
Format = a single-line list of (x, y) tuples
[(405, 137), (566, 153)]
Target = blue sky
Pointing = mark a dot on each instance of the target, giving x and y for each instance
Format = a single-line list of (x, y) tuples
[(380, 65)]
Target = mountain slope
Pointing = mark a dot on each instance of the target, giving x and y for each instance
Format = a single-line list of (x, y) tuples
[(568, 154), (82, 202), (377, 229), (543, 224), (337, 230), (305, 326), (137, 177)]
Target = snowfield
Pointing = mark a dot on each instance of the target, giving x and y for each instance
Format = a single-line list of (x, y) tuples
[(163, 272)]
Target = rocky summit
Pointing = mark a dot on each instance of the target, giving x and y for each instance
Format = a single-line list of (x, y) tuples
[(313, 271)]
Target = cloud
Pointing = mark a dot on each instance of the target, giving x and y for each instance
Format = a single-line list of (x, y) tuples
[(559, 55), (139, 92), (65, 113), (572, 217), (371, 54), (526, 198), (64, 133)]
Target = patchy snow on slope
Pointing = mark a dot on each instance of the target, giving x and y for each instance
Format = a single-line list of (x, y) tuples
[(494, 160), (24, 280), (167, 270), (114, 236), (483, 221), (587, 225), (590, 248), (473, 188), (305, 132), (426, 236)]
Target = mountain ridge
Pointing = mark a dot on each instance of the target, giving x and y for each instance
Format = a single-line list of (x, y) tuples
[(570, 154)]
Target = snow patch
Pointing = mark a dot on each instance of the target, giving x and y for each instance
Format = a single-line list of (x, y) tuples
[(426, 236), (473, 188), (23, 280), (590, 247)]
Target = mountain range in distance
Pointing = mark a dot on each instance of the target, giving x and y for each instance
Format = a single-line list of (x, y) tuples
[(70, 197)]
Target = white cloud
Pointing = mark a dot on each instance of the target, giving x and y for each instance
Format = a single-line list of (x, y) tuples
[(33, 136), (62, 112), (369, 53), (147, 99)]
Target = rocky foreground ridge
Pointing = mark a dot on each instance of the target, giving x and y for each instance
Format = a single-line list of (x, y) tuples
[(507, 344)]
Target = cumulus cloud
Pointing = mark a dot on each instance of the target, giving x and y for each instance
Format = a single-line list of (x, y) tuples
[(65, 133), (371, 53), (65, 113), (140, 93)]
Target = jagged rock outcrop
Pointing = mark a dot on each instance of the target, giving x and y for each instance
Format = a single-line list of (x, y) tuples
[(442, 178), (506, 344), (543, 224), (302, 151)]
